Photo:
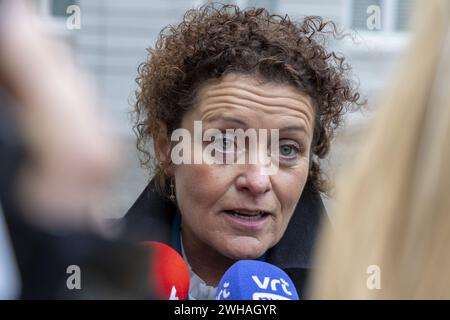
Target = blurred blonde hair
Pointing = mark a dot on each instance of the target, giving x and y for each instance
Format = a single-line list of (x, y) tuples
[(393, 207)]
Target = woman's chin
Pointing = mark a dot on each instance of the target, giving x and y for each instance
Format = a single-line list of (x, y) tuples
[(245, 249)]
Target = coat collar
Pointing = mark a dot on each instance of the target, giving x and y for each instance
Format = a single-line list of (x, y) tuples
[(151, 217)]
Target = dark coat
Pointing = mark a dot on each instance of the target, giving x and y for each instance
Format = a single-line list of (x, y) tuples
[(151, 216)]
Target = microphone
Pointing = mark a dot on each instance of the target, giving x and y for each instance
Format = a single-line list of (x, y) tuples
[(169, 275), (255, 280)]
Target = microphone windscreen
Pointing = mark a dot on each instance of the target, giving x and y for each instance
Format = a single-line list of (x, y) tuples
[(255, 280), (169, 275)]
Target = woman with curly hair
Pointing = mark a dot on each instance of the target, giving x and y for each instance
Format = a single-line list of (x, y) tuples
[(238, 69)]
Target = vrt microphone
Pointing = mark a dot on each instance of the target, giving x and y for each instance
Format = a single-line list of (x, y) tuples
[(169, 275), (255, 280)]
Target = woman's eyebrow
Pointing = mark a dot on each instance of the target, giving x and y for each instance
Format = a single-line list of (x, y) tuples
[(216, 118), (240, 122), (295, 128)]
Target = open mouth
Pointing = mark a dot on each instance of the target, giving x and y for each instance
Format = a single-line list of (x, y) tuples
[(248, 215)]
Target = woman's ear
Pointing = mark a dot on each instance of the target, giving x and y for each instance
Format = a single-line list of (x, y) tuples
[(162, 145)]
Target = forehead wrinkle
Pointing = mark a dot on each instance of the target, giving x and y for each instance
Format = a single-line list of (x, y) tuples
[(250, 103), (256, 88), (242, 97), (236, 104), (267, 95), (263, 99), (217, 112)]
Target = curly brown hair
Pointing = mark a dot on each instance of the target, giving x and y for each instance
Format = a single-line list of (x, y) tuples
[(216, 40)]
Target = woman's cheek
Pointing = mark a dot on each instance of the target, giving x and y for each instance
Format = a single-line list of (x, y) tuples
[(201, 184), (290, 184)]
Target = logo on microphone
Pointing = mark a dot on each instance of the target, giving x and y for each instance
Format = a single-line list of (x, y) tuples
[(276, 285), (224, 294), (173, 294), (268, 296)]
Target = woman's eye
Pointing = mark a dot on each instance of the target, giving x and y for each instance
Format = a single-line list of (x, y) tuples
[(288, 151), (225, 144)]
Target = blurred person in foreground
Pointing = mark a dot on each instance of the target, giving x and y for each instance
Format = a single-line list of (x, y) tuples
[(56, 161), (393, 209), (70, 154), (234, 69)]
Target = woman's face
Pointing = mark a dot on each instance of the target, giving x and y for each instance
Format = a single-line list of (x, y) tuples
[(237, 209)]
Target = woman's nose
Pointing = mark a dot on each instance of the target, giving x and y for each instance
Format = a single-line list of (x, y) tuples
[(253, 180)]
